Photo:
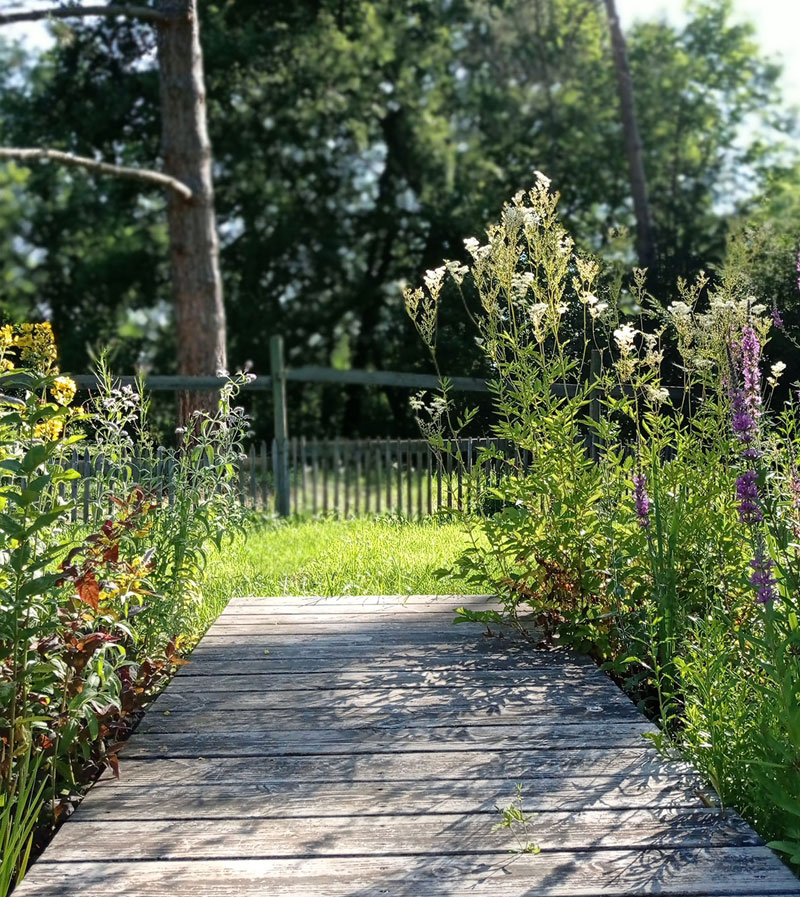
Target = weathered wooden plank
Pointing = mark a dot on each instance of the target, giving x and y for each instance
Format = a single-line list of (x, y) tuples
[(410, 766), (376, 836), (397, 618), (377, 613), (197, 677), (360, 634), (376, 601), (273, 720), (374, 739), (216, 660), (715, 872), (357, 644), (114, 799), (403, 701)]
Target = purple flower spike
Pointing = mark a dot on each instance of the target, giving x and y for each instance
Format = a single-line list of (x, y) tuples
[(762, 579), (777, 317), (747, 493), (744, 426), (751, 357), (642, 499), (746, 399)]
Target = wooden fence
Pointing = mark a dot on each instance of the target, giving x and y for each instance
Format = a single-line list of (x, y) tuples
[(100, 477), (293, 476), (343, 477), (349, 477)]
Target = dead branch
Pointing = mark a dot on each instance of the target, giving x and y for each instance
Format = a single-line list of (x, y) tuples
[(71, 12), (120, 171)]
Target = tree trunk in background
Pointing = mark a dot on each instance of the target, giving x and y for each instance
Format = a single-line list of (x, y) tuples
[(194, 247), (645, 241)]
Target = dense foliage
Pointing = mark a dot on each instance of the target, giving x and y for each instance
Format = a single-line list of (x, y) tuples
[(92, 617), (673, 555), (354, 143)]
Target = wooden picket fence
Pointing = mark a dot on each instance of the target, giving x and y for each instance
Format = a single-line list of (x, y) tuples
[(340, 477), (292, 476), (351, 477), (100, 478)]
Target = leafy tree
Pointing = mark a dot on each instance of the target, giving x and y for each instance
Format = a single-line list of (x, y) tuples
[(193, 243), (358, 142)]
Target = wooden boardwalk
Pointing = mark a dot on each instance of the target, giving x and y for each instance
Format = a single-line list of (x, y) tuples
[(358, 747)]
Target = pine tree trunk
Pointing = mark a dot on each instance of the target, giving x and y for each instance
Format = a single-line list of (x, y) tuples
[(194, 247), (645, 240)]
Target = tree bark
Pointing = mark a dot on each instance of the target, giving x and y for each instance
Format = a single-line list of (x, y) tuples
[(194, 247), (645, 240)]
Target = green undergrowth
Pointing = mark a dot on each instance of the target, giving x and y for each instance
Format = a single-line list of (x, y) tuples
[(377, 556)]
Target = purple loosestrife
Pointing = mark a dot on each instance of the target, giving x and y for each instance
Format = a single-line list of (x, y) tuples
[(746, 412), (746, 399), (761, 578), (747, 493), (777, 317), (751, 371), (744, 424), (642, 499)]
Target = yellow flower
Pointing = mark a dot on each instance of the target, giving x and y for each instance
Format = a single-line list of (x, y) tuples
[(6, 336), (63, 390), (49, 430), (37, 344)]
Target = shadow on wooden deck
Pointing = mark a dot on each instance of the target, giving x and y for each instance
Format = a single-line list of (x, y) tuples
[(360, 747)]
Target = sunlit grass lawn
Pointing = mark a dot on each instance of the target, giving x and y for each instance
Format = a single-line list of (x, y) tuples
[(379, 556)]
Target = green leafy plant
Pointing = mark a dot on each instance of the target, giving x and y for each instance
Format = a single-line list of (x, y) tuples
[(94, 618), (516, 821)]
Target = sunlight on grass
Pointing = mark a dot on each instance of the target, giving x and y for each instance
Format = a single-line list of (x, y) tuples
[(337, 557)]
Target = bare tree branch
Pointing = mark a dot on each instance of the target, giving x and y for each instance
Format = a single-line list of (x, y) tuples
[(71, 12), (119, 171)]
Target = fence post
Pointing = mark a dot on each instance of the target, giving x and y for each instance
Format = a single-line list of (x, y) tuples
[(278, 372)]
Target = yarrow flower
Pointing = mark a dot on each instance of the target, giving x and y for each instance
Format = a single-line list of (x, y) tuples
[(641, 499), (775, 373), (433, 281)]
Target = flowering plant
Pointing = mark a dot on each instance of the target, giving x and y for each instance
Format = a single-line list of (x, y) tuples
[(670, 550)]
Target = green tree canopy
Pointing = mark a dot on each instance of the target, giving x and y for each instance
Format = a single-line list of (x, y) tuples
[(356, 144)]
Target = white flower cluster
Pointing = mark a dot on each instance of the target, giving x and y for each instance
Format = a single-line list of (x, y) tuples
[(434, 280), (775, 373), (595, 306), (624, 337)]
